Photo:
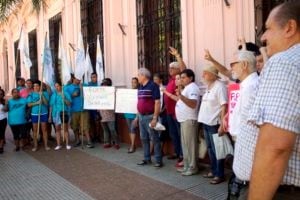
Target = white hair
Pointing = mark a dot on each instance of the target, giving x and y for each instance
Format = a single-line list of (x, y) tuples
[(249, 57), (174, 65), (145, 72)]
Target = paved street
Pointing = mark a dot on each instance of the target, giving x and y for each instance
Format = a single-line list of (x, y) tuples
[(97, 173)]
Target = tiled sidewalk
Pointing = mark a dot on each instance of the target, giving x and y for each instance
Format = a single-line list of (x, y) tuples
[(96, 173), (24, 178)]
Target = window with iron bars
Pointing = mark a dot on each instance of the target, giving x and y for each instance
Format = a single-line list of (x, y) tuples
[(91, 26), (54, 26), (158, 28), (17, 59), (262, 11), (33, 55)]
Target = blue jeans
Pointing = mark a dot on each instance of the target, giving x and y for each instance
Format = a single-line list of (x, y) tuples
[(174, 132), (147, 134), (217, 166)]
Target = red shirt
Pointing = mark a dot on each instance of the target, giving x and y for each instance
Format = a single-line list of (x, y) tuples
[(170, 103)]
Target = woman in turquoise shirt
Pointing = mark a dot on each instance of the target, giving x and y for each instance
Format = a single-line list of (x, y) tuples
[(59, 110), (39, 113), (16, 108)]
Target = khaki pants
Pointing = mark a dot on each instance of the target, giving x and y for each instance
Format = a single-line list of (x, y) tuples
[(189, 141)]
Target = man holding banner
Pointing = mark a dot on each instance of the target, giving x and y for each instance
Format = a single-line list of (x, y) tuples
[(148, 111)]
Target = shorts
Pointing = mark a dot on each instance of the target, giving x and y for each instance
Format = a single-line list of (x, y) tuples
[(131, 126), (58, 119), (77, 123), (43, 118), (19, 131)]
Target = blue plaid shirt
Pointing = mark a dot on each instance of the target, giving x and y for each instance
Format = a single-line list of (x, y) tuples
[(276, 101)]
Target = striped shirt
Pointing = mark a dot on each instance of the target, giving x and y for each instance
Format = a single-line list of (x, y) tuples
[(277, 101), (147, 94)]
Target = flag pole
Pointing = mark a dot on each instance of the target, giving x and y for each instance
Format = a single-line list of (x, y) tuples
[(40, 103), (62, 91)]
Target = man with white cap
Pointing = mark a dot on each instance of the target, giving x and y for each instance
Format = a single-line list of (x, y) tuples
[(211, 114)]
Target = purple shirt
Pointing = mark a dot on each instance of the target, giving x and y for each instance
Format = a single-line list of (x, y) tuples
[(147, 95)]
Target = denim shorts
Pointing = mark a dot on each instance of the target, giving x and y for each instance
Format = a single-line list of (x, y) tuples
[(43, 118)]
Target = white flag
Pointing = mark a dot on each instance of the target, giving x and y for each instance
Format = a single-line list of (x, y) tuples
[(24, 49), (64, 64), (88, 68), (48, 72), (80, 58), (99, 62)]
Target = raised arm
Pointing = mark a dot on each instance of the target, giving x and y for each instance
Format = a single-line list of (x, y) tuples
[(175, 53), (221, 68)]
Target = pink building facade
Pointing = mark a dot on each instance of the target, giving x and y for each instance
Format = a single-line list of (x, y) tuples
[(203, 24)]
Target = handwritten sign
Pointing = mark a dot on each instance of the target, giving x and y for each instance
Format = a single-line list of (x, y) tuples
[(234, 95), (126, 101), (99, 98)]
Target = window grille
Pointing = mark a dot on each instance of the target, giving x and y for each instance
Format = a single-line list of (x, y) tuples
[(91, 26), (54, 26), (33, 55), (17, 61), (158, 27)]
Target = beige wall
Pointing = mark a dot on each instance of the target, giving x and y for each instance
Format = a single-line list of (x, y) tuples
[(209, 24), (205, 24)]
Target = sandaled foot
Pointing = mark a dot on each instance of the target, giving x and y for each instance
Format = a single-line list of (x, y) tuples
[(208, 175), (216, 180)]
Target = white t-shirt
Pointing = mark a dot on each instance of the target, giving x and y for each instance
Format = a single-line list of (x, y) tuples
[(3, 114), (184, 112), (211, 104), (247, 89)]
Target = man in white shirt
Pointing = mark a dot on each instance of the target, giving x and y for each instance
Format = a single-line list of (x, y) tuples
[(243, 67), (186, 110), (211, 114)]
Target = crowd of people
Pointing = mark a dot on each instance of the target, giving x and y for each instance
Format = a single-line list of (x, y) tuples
[(264, 126)]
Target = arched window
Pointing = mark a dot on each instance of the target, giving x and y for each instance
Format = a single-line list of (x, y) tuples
[(158, 27)]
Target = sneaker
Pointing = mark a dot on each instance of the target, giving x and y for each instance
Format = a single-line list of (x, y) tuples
[(189, 172), (90, 145), (58, 147), (77, 144), (68, 147), (117, 146), (34, 149), (181, 169), (105, 146), (158, 165), (144, 162), (48, 148), (179, 164)]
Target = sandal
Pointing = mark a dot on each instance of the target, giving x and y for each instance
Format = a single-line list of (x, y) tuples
[(208, 175), (131, 150), (216, 180)]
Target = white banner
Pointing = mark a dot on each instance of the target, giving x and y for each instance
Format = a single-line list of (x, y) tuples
[(126, 101), (99, 98)]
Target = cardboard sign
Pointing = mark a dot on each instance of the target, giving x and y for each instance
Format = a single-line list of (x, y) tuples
[(234, 95), (99, 98), (126, 101)]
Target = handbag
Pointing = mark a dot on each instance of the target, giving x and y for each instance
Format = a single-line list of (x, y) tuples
[(222, 145)]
